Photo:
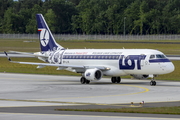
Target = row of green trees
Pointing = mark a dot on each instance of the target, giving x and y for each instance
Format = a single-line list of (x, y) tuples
[(92, 16)]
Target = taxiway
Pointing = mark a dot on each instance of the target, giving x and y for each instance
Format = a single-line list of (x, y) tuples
[(38, 95)]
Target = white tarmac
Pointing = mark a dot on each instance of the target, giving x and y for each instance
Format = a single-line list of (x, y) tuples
[(68, 89), (21, 90)]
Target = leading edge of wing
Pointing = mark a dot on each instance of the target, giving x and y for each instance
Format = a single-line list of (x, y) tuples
[(64, 66), (48, 64), (30, 54)]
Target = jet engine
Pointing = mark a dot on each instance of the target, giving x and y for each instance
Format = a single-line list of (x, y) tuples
[(93, 74), (140, 76)]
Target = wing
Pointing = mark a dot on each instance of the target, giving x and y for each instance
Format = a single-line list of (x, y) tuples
[(73, 68), (28, 54)]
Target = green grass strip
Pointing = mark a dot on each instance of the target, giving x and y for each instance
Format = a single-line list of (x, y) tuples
[(158, 110)]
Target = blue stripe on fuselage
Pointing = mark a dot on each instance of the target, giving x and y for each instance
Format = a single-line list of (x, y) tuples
[(159, 60)]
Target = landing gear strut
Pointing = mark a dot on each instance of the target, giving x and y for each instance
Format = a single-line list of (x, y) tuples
[(83, 80), (116, 79)]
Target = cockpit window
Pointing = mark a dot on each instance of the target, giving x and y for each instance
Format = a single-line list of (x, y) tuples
[(157, 56), (152, 56), (160, 56)]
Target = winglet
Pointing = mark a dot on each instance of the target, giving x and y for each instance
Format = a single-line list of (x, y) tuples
[(7, 56)]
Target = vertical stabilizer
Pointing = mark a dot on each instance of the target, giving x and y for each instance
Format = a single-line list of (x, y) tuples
[(47, 41)]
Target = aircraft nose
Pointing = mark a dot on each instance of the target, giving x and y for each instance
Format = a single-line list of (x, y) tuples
[(170, 67)]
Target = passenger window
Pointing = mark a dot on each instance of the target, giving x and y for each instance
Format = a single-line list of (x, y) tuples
[(152, 56)]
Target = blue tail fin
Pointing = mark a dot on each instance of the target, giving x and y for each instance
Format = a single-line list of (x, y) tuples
[(47, 41)]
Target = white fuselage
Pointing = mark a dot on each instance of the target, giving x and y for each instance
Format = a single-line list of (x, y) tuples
[(120, 61)]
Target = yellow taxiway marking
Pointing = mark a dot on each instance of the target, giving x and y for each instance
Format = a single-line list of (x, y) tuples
[(77, 103), (82, 103), (145, 90)]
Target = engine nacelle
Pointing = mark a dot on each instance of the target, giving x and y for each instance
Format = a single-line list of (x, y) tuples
[(140, 76), (93, 74)]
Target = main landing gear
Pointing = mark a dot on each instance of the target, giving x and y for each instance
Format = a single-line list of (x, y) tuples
[(116, 79), (83, 80)]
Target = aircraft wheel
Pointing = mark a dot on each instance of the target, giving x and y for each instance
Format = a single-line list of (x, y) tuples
[(87, 81), (113, 80), (83, 80), (153, 83), (118, 79)]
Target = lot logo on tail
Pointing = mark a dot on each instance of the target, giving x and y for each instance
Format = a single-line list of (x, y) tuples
[(44, 37)]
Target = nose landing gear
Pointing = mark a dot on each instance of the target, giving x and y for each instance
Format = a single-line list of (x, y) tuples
[(153, 83)]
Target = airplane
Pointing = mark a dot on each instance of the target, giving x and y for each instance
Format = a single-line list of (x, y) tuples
[(93, 64)]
